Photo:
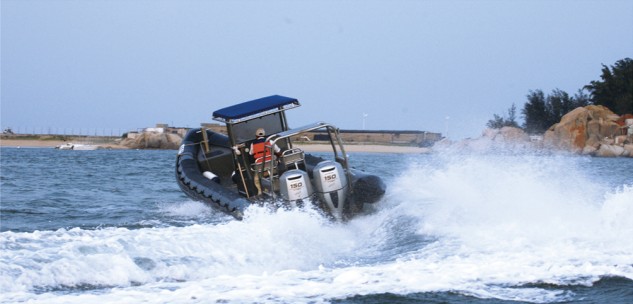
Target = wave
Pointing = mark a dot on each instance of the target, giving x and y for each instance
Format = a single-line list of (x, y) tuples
[(533, 199), (505, 227)]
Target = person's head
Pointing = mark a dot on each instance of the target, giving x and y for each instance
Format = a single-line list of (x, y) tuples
[(260, 132)]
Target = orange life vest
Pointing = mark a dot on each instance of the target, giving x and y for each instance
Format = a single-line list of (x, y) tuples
[(261, 150)]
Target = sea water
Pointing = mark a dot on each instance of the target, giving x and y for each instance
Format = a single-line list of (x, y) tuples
[(113, 227)]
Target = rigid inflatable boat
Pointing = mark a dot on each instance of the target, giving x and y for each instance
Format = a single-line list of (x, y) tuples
[(223, 170)]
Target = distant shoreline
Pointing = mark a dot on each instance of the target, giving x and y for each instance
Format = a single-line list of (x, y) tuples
[(31, 143), (313, 147)]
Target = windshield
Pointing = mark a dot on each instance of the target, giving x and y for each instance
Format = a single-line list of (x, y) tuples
[(245, 131)]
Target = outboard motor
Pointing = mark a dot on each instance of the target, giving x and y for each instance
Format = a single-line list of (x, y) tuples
[(330, 182), (294, 186)]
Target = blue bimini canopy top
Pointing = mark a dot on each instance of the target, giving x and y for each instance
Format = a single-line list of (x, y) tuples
[(255, 108)]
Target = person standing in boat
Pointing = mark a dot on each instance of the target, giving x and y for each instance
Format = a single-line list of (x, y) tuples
[(260, 150), (259, 147)]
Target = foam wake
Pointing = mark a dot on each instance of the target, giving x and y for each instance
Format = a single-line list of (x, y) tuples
[(486, 226)]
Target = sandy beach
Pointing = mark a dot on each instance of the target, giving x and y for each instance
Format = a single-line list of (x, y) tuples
[(30, 143)]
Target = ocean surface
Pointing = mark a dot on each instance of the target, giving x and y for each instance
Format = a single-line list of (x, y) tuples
[(113, 227)]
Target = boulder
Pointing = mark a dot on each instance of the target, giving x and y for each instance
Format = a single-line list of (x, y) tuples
[(610, 151), (583, 126), (506, 135), (622, 140), (153, 140), (514, 135), (589, 150), (491, 140)]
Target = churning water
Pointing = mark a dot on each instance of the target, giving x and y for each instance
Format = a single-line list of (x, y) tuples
[(113, 227)]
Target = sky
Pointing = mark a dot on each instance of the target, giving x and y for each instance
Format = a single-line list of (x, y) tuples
[(439, 66)]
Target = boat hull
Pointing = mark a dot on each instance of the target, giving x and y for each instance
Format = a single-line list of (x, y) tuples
[(223, 189)]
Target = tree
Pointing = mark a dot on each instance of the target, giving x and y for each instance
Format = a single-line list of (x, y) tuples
[(541, 112), (535, 113), (581, 99), (512, 117), (560, 103), (615, 91), (499, 122), (496, 122)]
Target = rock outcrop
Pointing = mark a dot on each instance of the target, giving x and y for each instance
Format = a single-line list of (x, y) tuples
[(153, 140), (591, 130), (506, 139)]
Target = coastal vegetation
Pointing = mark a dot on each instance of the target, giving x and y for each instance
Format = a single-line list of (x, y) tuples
[(596, 121), (614, 91)]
